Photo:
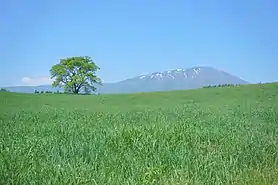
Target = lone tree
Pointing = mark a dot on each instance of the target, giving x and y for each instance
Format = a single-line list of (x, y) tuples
[(3, 90), (75, 74)]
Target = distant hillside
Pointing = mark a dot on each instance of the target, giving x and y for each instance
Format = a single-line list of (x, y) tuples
[(31, 89), (177, 79)]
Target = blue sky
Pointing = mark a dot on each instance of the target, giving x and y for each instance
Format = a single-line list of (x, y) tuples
[(133, 37)]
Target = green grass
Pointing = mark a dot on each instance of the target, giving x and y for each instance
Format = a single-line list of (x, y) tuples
[(207, 136)]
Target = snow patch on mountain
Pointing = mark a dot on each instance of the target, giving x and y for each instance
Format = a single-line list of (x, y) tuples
[(173, 74), (142, 77), (197, 70)]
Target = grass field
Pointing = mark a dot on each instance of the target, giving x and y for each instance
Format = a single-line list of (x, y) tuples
[(207, 136)]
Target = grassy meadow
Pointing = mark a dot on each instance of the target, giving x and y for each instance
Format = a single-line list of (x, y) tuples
[(213, 136)]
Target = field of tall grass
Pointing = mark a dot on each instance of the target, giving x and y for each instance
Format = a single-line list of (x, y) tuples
[(207, 136)]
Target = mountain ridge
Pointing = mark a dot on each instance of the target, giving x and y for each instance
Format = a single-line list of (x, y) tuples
[(174, 79)]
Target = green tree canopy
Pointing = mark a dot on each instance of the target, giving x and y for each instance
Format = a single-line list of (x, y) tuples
[(3, 90), (75, 73)]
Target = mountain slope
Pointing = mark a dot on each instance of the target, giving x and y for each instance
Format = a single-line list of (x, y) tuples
[(177, 79)]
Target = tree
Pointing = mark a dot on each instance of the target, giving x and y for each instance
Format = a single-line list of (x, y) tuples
[(75, 74), (3, 90)]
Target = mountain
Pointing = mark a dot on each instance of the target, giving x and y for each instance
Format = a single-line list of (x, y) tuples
[(177, 79)]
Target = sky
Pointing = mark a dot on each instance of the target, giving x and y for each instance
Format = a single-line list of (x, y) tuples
[(127, 38)]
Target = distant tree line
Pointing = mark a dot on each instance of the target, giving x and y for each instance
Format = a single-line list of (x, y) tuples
[(45, 92), (221, 85), (58, 92)]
